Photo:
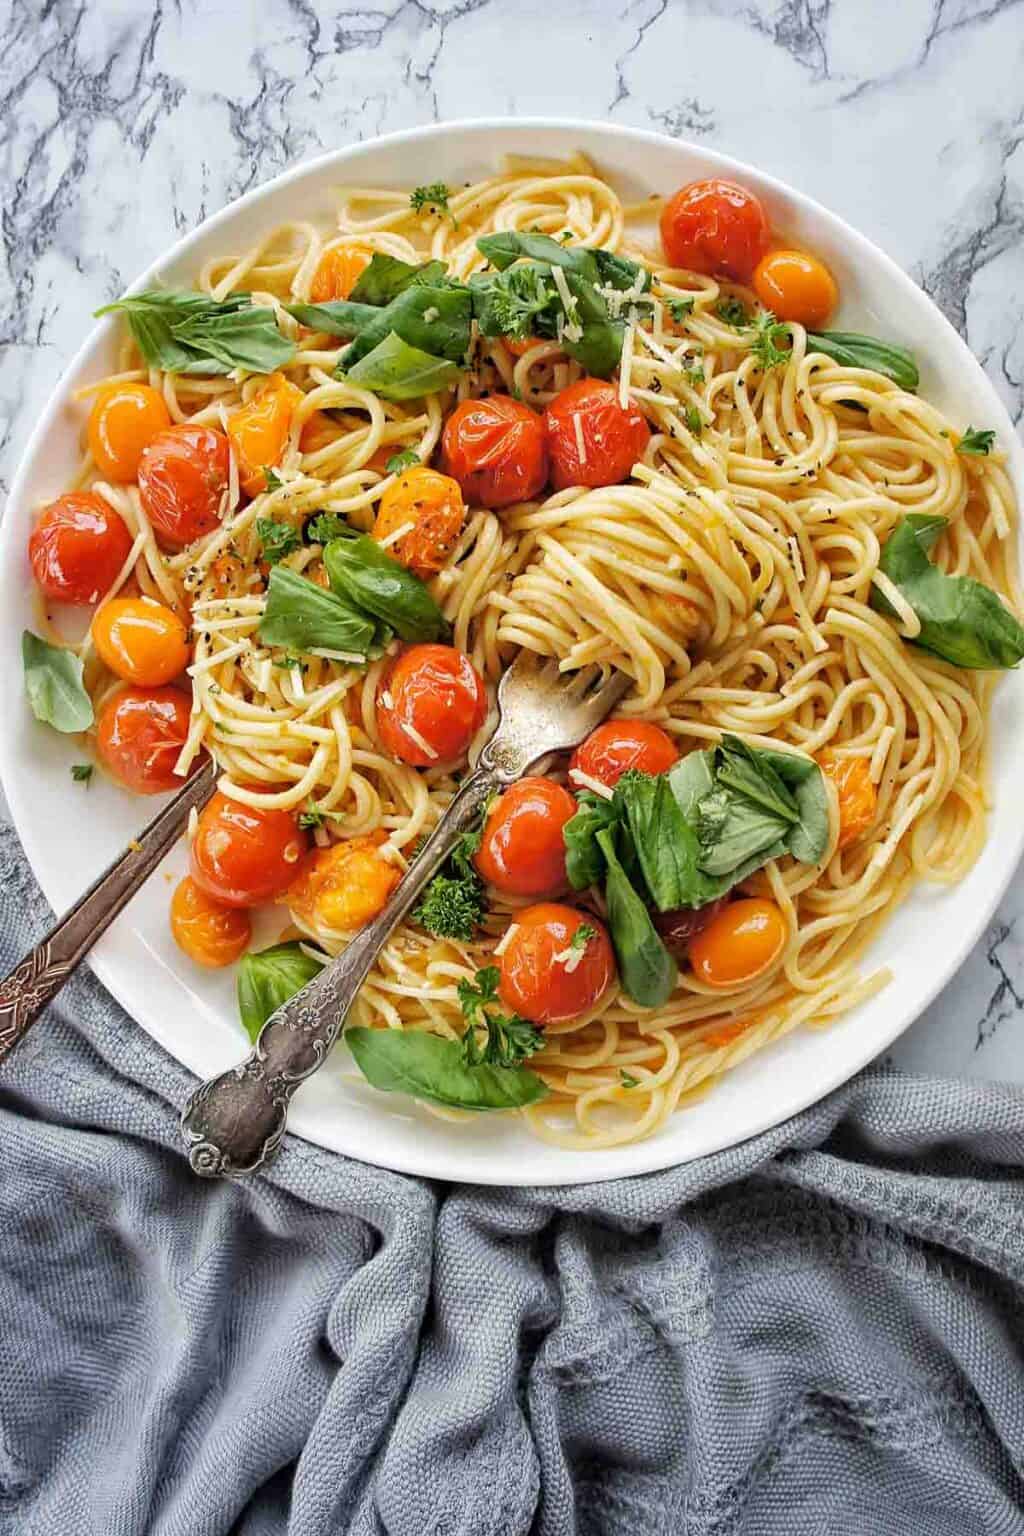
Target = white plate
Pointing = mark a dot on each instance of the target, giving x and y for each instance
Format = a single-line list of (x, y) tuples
[(70, 833)]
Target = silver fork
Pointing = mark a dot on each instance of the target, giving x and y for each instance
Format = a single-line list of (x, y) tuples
[(234, 1122)]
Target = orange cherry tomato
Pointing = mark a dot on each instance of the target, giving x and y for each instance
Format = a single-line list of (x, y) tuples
[(740, 943), (210, 933), (433, 504), (343, 887), (520, 345), (681, 924), (430, 705), (242, 855), (122, 423), (78, 547), (857, 795), (259, 431), (337, 273), (496, 449), (522, 852), (183, 477), (139, 735), (613, 436), (318, 431), (141, 640), (618, 745), (796, 287), (536, 979), (715, 227), (226, 577)]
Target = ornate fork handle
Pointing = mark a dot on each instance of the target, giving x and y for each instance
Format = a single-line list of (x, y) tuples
[(41, 974), (235, 1121)]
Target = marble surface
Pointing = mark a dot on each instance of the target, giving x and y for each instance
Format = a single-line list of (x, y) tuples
[(124, 124)]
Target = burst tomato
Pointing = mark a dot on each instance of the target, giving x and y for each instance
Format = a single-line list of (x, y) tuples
[(856, 794), (77, 548), (343, 887), (678, 926), (337, 273), (592, 439), (497, 450), (522, 851), (259, 431), (432, 504), (618, 745), (541, 976), (139, 734), (207, 931), (742, 941), (141, 640), (123, 422), (715, 227), (430, 705), (242, 855), (796, 287), (183, 477)]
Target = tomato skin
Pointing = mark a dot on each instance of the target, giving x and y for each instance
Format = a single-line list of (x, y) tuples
[(139, 734), (520, 345), (259, 431), (77, 548), (337, 273), (141, 640), (715, 227), (533, 984), (438, 691), (183, 476), (242, 855), (618, 745), (497, 450), (123, 422), (207, 931), (678, 926), (740, 943), (431, 501), (796, 287), (856, 793), (343, 887), (614, 437), (522, 852)]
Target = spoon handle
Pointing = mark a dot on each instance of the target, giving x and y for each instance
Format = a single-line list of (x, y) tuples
[(234, 1122), (39, 976)]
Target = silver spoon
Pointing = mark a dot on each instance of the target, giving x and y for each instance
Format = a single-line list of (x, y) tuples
[(234, 1122)]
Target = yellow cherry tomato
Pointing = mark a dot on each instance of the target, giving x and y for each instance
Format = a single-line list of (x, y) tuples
[(210, 933), (740, 943), (337, 273), (855, 791), (123, 422), (141, 640), (429, 506), (343, 887), (796, 287), (259, 431)]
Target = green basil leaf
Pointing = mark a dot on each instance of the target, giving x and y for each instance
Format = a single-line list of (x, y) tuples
[(599, 349), (300, 616), (190, 333), (435, 320), (268, 978), (667, 847), (246, 338), (511, 245), (428, 1067), (398, 371), (740, 768), (336, 317), (388, 276), (366, 576), (584, 861), (962, 621), (619, 272), (851, 350), (53, 682), (646, 969), (736, 833), (808, 840)]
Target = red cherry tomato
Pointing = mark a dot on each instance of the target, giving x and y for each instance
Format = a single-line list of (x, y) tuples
[(715, 227), (496, 449), (183, 475), (78, 547), (522, 852), (139, 734), (539, 976), (242, 855), (621, 744), (613, 436), (430, 705)]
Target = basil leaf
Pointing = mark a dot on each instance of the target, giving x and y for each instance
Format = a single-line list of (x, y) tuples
[(299, 615), (852, 350), (337, 317), (736, 833), (646, 969), (427, 1067), (184, 332), (53, 682), (366, 576), (743, 769), (962, 621), (808, 840), (388, 276), (398, 371), (619, 272), (434, 319), (511, 245), (584, 861), (269, 978), (248, 338), (600, 347), (667, 847)]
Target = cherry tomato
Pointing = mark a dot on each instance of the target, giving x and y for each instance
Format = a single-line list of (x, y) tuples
[(183, 476), (337, 273), (259, 431), (715, 227), (433, 504), (522, 852), (536, 979), (740, 943), (621, 744), (226, 577), (343, 887), (613, 436), (78, 547), (520, 345), (796, 287), (318, 431), (242, 855), (430, 705), (210, 933), (856, 793), (139, 734), (497, 451), (141, 640), (680, 925), (122, 423)]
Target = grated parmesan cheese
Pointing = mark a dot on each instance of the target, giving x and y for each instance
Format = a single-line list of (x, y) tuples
[(626, 363), (431, 314), (581, 447), (420, 740), (506, 939), (585, 781), (386, 699), (572, 330), (569, 958), (329, 655), (193, 822), (797, 558), (399, 533)]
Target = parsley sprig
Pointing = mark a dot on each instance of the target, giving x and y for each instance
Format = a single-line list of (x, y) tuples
[(277, 539), (509, 1038), (433, 199), (765, 332), (977, 442)]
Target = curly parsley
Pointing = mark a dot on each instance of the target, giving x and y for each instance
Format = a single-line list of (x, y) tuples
[(81, 772), (765, 332), (733, 312), (278, 539), (509, 1039), (433, 199), (400, 461), (977, 441)]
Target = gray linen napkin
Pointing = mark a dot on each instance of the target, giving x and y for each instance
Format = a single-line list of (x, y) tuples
[(819, 1331)]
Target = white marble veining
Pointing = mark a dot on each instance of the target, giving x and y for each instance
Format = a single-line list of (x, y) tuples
[(124, 124)]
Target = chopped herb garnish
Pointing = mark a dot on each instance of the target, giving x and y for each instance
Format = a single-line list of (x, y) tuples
[(977, 441), (733, 312), (81, 772), (766, 332), (679, 309), (628, 1080), (510, 1039), (434, 199), (400, 461), (313, 816), (581, 938), (325, 527), (273, 479), (694, 421), (278, 539)]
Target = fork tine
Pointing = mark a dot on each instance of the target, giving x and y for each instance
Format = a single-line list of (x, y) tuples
[(605, 697)]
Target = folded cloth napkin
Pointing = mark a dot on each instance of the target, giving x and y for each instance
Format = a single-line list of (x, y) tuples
[(819, 1331)]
